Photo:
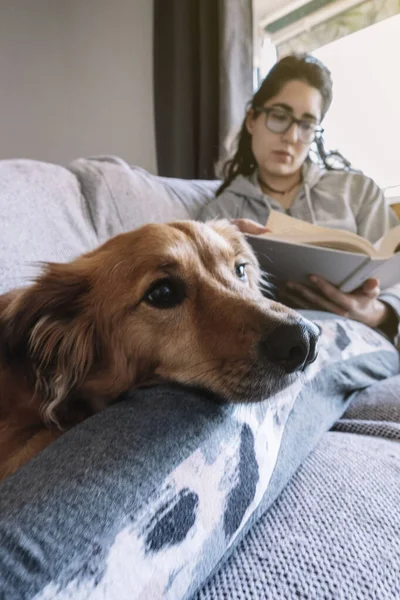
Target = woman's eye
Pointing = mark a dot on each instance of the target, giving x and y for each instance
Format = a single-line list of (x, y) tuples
[(240, 271), (307, 126), (280, 116), (165, 293)]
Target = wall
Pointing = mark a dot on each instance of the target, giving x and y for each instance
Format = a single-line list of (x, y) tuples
[(76, 80)]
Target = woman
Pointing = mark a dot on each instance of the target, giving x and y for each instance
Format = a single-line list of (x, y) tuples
[(272, 169)]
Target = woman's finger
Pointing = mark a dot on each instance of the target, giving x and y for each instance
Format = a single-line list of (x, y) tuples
[(249, 226), (345, 301), (371, 288), (319, 301), (371, 283), (294, 301)]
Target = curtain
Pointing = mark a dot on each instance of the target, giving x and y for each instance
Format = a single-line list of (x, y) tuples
[(203, 74)]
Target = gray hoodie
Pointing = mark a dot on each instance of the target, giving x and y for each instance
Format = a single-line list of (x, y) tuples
[(336, 199)]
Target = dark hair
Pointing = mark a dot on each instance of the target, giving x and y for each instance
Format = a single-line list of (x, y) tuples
[(296, 67)]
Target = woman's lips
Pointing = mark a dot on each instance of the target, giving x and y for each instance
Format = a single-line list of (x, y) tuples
[(282, 156)]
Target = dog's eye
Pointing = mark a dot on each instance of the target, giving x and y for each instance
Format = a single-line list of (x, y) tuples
[(165, 293), (240, 271)]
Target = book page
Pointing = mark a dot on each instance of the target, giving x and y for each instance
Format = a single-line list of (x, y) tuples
[(326, 240), (390, 242), (301, 232), (281, 223)]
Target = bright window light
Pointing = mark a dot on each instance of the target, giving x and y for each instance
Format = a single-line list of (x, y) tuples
[(363, 122)]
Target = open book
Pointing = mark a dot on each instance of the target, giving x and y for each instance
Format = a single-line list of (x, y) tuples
[(295, 249)]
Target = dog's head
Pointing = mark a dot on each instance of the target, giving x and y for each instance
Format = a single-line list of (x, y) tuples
[(179, 302)]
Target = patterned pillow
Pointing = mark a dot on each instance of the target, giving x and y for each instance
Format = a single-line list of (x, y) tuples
[(147, 498)]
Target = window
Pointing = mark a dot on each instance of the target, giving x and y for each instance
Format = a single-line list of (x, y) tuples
[(364, 119)]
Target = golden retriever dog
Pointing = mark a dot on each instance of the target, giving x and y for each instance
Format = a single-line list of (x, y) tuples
[(167, 302)]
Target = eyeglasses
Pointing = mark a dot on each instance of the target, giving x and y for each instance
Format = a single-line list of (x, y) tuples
[(280, 121)]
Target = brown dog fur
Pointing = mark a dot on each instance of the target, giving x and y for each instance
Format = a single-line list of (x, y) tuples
[(87, 331)]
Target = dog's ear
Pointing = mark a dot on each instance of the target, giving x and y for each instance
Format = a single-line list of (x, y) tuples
[(48, 326)]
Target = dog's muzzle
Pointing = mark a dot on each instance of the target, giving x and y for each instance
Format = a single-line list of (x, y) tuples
[(291, 345)]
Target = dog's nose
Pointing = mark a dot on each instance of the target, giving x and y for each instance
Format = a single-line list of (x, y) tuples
[(292, 345)]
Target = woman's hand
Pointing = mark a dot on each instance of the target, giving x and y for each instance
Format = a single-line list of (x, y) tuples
[(250, 226), (361, 305)]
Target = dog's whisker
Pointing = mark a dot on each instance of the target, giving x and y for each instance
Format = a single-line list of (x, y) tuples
[(265, 274), (220, 375), (227, 362), (240, 382), (268, 277), (200, 375), (265, 256), (204, 362)]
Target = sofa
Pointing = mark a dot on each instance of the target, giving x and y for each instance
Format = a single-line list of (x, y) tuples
[(172, 493)]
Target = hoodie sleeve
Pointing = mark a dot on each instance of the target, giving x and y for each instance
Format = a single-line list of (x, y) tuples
[(391, 296), (225, 206), (374, 216), (240, 200)]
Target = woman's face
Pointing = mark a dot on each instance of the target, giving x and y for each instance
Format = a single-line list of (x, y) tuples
[(280, 154)]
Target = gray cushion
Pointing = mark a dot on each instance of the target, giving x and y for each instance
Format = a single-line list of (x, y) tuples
[(380, 402), (43, 217), (374, 411), (333, 533), (49, 213), (122, 198)]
